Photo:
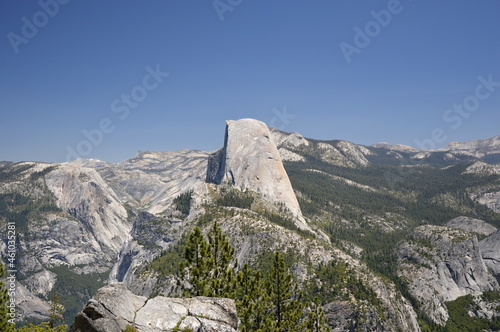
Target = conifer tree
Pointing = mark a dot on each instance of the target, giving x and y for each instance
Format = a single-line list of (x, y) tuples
[(210, 266), (56, 311), (253, 303), (198, 264), (223, 274), (316, 318), (287, 302)]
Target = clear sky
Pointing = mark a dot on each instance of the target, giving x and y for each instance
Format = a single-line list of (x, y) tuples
[(89, 78)]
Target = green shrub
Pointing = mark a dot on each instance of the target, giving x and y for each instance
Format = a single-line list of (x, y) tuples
[(236, 198), (183, 202)]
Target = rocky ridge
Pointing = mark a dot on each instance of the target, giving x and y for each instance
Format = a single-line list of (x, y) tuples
[(478, 147), (442, 263)]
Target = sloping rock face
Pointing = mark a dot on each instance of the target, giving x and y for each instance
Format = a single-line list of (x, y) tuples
[(151, 180), (114, 307), (442, 264), (489, 199), (250, 160), (82, 193)]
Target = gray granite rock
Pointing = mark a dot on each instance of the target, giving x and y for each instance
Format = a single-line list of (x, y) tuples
[(114, 307), (472, 225)]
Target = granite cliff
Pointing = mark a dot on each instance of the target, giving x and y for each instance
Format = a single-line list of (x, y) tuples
[(250, 160)]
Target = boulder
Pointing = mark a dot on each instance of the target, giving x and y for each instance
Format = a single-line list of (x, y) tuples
[(114, 307)]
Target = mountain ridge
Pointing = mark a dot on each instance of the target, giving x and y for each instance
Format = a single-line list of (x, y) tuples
[(351, 198)]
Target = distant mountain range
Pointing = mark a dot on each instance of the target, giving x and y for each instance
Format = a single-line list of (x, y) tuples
[(480, 148)]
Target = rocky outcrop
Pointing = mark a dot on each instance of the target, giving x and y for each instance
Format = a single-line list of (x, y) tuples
[(441, 264), (29, 305), (483, 169), (114, 307), (489, 199), (150, 182), (73, 222), (343, 153), (250, 160), (287, 140), (287, 155), (472, 225)]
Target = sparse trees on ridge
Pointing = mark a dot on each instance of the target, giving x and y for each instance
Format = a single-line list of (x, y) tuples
[(266, 302), (209, 267)]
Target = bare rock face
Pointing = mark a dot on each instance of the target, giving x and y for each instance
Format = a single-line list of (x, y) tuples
[(82, 192), (490, 199), (490, 248), (442, 264), (472, 225), (282, 139), (250, 160), (114, 307)]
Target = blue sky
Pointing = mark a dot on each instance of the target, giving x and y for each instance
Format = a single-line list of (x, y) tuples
[(277, 61)]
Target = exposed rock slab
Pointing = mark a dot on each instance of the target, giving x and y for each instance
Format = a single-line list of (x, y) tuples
[(114, 307), (472, 225), (83, 193), (343, 153)]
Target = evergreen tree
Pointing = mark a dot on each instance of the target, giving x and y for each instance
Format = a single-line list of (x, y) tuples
[(198, 264), (56, 311), (288, 308), (223, 274), (253, 303), (210, 267), (316, 318), (4, 300), (42, 327)]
